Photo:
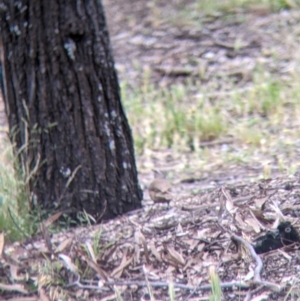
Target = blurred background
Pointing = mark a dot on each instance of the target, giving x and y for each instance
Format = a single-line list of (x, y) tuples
[(211, 88)]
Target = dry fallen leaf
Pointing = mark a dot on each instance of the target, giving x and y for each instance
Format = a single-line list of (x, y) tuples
[(261, 297), (229, 205), (65, 243), (253, 223), (174, 256), (117, 272), (68, 263), (49, 221), (240, 220), (155, 252), (14, 269), (141, 238), (42, 294), (101, 273), (91, 250), (13, 287)]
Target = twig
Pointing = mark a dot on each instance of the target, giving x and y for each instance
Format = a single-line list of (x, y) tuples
[(248, 296), (102, 213), (193, 291), (13, 220), (224, 285), (259, 266), (71, 178), (250, 293)]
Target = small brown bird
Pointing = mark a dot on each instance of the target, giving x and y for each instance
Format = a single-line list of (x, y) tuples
[(160, 191)]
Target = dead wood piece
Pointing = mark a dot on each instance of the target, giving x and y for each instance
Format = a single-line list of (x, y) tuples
[(259, 266)]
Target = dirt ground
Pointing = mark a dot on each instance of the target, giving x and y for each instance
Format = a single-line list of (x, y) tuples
[(148, 36), (144, 252)]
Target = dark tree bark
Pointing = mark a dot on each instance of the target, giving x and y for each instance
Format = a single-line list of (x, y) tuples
[(63, 106)]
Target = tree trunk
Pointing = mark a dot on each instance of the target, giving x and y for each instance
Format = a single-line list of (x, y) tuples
[(64, 110)]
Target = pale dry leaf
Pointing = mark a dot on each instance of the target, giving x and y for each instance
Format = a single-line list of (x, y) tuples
[(154, 276), (290, 280), (14, 269), (192, 243), (175, 256), (24, 299), (111, 297), (277, 210), (259, 215), (276, 223), (212, 270), (229, 205), (250, 274), (145, 247), (33, 298), (155, 252), (218, 253), (260, 203), (239, 219), (195, 262), (262, 297), (13, 288), (253, 223), (78, 294), (137, 249), (228, 257), (68, 263), (221, 209), (117, 272), (101, 273), (49, 221), (257, 220), (202, 233), (285, 255), (42, 294), (91, 250), (179, 229), (64, 244)]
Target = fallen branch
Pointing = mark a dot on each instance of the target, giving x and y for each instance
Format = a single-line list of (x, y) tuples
[(224, 285), (259, 265)]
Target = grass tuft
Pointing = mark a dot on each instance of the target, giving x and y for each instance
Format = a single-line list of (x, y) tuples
[(180, 117), (192, 13), (15, 220), (216, 291)]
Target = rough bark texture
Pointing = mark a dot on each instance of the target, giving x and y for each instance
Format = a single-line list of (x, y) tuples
[(63, 105)]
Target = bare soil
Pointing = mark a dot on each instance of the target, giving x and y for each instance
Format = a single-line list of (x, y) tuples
[(220, 49)]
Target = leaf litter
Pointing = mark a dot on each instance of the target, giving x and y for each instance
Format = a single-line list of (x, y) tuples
[(154, 247), (156, 251)]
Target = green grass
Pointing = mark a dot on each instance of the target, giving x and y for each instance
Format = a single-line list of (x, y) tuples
[(171, 117), (216, 291), (261, 120), (181, 117), (15, 220), (212, 6), (194, 13)]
